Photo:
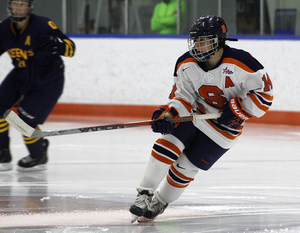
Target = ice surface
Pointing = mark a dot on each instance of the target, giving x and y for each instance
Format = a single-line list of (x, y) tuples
[(91, 179)]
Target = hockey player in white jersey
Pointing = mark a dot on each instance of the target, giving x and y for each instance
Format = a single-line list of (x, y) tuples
[(211, 77)]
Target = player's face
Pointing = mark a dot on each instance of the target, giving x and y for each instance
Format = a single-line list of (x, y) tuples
[(19, 8), (203, 44)]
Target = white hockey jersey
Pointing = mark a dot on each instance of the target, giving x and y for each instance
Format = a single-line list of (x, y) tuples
[(206, 91)]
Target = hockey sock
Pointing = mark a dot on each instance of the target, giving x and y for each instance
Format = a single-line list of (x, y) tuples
[(34, 146), (181, 173), (165, 151), (155, 172)]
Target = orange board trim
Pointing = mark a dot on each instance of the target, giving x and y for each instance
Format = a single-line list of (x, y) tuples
[(145, 111)]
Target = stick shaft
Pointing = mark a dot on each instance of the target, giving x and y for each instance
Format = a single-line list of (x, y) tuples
[(12, 118)]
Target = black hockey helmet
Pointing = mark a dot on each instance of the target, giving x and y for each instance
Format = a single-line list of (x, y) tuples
[(211, 30), (15, 18)]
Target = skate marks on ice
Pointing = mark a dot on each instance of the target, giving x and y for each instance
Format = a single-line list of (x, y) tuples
[(75, 218), (175, 220), (254, 215)]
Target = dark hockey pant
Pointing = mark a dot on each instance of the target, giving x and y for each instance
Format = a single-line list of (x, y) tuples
[(34, 106)]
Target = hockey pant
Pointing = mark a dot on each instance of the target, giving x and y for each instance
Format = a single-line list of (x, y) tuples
[(176, 158), (34, 106)]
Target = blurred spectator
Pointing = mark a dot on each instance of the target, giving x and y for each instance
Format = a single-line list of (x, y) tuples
[(164, 19)]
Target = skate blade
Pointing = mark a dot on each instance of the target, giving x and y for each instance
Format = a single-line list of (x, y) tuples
[(5, 167), (134, 218), (143, 219), (32, 169)]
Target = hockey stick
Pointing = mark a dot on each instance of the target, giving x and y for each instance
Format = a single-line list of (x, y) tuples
[(12, 118)]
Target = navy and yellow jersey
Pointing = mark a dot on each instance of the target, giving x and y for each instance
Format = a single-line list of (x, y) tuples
[(237, 74), (35, 67)]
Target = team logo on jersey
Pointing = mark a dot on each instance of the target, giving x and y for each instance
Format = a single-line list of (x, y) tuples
[(20, 55), (227, 70)]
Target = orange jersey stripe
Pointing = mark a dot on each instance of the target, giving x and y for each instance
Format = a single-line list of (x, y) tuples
[(225, 134), (237, 63), (172, 94), (257, 103), (186, 104), (265, 96), (201, 108)]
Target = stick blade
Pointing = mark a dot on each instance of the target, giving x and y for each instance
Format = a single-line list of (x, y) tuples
[(13, 119)]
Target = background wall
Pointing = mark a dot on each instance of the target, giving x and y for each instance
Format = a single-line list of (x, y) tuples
[(139, 71), (287, 4), (111, 14)]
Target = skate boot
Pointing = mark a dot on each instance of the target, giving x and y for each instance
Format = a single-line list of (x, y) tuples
[(157, 206), (141, 203), (5, 160), (34, 164)]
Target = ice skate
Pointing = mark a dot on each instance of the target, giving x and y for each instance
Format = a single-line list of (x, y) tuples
[(157, 206), (5, 160), (34, 164), (141, 203)]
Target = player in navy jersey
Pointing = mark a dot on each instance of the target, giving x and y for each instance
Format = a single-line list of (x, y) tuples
[(210, 78), (36, 81)]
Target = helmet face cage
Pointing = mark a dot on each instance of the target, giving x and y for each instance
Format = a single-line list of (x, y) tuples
[(210, 29), (16, 18), (203, 48)]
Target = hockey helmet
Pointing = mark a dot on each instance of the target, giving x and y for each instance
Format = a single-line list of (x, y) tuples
[(16, 18), (212, 32)]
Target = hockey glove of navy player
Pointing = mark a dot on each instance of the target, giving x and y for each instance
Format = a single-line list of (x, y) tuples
[(51, 44), (160, 125), (233, 113)]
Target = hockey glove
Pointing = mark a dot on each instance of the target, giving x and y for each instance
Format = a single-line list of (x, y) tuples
[(160, 125), (51, 44), (233, 113)]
